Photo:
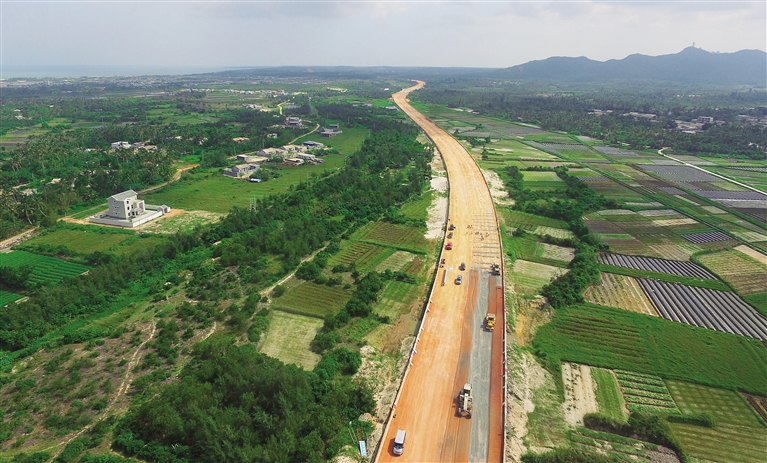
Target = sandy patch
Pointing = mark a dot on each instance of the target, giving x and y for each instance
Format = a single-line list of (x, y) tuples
[(524, 378), (579, 393), (552, 251), (497, 191), (752, 253), (435, 223), (179, 220)]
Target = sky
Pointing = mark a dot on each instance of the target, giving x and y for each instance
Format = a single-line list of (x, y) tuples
[(211, 34)]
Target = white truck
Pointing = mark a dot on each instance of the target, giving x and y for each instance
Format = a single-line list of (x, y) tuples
[(465, 404)]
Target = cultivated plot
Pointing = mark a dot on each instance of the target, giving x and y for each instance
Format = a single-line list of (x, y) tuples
[(708, 308), (6, 297), (745, 274), (44, 269), (622, 292), (311, 299), (388, 234), (671, 267), (645, 393)]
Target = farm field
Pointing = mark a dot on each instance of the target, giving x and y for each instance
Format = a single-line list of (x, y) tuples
[(530, 277), (554, 252), (81, 241), (608, 395), (403, 237), (716, 310), (395, 299), (542, 180), (686, 269), (738, 435), (289, 338), (623, 292), (529, 222), (645, 393), (652, 345), (6, 297), (44, 269), (311, 299), (745, 274), (363, 255)]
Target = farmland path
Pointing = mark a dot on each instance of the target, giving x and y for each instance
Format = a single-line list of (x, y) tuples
[(17, 239), (452, 347)]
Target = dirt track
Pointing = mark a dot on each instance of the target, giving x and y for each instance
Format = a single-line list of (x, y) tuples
[(453, 348)]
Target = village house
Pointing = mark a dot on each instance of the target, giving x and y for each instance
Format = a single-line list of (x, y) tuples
[(270, 153), (121, 145), (126, 210), (241, 170), (330, 131), (293, 121)]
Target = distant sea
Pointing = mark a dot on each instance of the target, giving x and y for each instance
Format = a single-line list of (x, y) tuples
[(10, 72)]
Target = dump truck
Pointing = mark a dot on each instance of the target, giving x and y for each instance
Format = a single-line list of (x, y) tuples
[(465, 404), (490, 321)]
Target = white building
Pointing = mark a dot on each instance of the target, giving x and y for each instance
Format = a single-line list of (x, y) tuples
[(126, 210), (121, 145)]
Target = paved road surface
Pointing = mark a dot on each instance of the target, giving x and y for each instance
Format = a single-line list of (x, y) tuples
[(453, 347)]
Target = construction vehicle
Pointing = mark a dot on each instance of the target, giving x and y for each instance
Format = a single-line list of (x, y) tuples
[(452, 227), (465, 404), (462, 266), (442, 263), (459, 279), (490, 321), (495, 269)]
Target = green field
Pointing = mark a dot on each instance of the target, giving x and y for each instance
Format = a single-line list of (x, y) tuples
[(44, 269), (209, 190), (418, 208), (403, 237), (81, 241), (542, 180), (311, 299), (619, 448), (7, 297), (738, 434), (645, 393), (530, 277), (615, 338), (529, 222), (608, 394), (289, 338)]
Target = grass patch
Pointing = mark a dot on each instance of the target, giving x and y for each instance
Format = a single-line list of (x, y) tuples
[(530, 277), (418, 209), (614, 338), (395, 299), (313, 300), (363, 255), (738, 434), (759, 301), (81, 241), (608, 394), (289, 338), (529, 222)]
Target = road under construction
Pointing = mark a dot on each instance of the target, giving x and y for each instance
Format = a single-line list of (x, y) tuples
[(453, 346)]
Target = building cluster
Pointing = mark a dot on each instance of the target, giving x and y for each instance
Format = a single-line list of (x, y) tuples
[(645, 116), (139, 145), (696, 125), (288, 155)]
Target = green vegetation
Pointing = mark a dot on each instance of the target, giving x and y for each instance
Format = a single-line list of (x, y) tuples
[(738, 434), (608, 394), (614, 338), (645, 393), (6, 297), (308, 411)]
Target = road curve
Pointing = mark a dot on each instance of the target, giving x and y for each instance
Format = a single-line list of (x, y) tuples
[(452, 347)]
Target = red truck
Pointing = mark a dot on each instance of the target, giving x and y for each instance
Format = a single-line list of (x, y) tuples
[(449, 245)]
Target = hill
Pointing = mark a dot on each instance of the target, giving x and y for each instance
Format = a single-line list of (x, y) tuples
[(691, 65)]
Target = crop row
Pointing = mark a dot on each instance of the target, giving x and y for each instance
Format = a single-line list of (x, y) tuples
[(716, 310), (651, 264), (649, 388), (641, 380), (706, 237)]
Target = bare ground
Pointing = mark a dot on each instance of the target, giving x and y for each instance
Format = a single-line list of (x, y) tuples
[(580, 398), (435, 223), (497, 191)]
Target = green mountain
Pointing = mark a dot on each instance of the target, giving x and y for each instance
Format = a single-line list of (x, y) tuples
[(691, 65)]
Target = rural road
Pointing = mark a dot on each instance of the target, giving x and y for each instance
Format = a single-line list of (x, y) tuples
[(453, 347)]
